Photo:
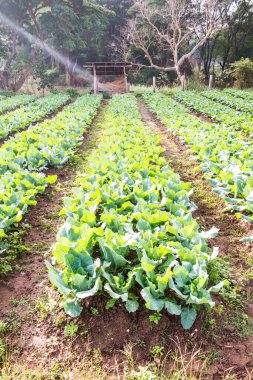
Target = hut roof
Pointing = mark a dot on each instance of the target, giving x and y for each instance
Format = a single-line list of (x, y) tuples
[(108, 68)]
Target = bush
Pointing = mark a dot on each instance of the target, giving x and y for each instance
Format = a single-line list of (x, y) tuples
[(225, 79), (242, 72), (73, 93), (8, 94), (55, 91), (195, 84)]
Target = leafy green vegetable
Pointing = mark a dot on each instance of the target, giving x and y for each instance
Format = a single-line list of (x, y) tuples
[(24, 116), (216, 111), (25, 156), (129, 232), (8, 104), (225, 154)]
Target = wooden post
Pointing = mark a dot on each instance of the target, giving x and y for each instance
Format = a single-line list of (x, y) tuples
[(154, 84), (95, 79), (211, 81), (125, 77), (183, 82)]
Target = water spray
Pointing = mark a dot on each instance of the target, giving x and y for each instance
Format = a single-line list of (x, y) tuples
[(45, 47)]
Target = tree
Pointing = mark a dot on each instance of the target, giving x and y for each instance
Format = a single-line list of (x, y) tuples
[(231, 43), (178, 28), (16, 67), (68, 26), (242, 72)]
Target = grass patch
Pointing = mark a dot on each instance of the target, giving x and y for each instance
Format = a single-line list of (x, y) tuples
[(12, 248)]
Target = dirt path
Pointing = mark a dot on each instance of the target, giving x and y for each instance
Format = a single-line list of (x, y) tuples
[(236, 352)]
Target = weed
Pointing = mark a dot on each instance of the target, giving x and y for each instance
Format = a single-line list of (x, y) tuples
[(218, 270), (210, 356), (3, 327), (155, 318), (70, 330), (231, 297), (2, 350), (94, 311), (45, 305), (240, 321), (12, 247), (14, 320), (23, 301), (157, 351), (59, 320)]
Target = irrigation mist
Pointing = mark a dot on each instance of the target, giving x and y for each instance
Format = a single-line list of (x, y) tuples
[(46, 48)]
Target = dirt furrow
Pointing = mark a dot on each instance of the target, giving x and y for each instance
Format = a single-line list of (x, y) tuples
[(235, 255), (40, 225)]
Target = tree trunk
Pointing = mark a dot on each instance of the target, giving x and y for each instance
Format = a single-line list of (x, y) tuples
[(5, 73), (4, 81), (69, 73), (19, 83)]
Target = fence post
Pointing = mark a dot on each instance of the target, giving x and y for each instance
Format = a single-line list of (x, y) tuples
[(183, 82), (95, 79), (211, 81), (154, 84)]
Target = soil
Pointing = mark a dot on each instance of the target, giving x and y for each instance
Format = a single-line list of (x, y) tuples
[(106, 338), (202, 117)]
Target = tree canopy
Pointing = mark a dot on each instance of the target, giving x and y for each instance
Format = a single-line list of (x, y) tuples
[(162, 35)]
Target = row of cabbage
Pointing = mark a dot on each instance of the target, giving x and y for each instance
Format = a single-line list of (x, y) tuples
[(217, 112), (8, 104), (22, 117), (244, 94), (129, 233), (230, 100), (24, 156), (226, 156)]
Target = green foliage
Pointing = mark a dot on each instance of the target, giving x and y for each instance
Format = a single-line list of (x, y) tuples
[(55, 91), (70, 330), (157, 351), (3, 330), (24, 157), (40, 71), (195, 84), (12, 248), (225, 153), (22, 117), (129, 226), (230, 100), (218, 270), (242, 72), (73, 93), (224, 79), (155, 318), (3, 327), (94, 312), (7, 94), (10, 103), (2, 350), (106, 96)]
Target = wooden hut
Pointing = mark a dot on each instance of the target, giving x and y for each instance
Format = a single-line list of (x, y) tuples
[(109, 77)]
